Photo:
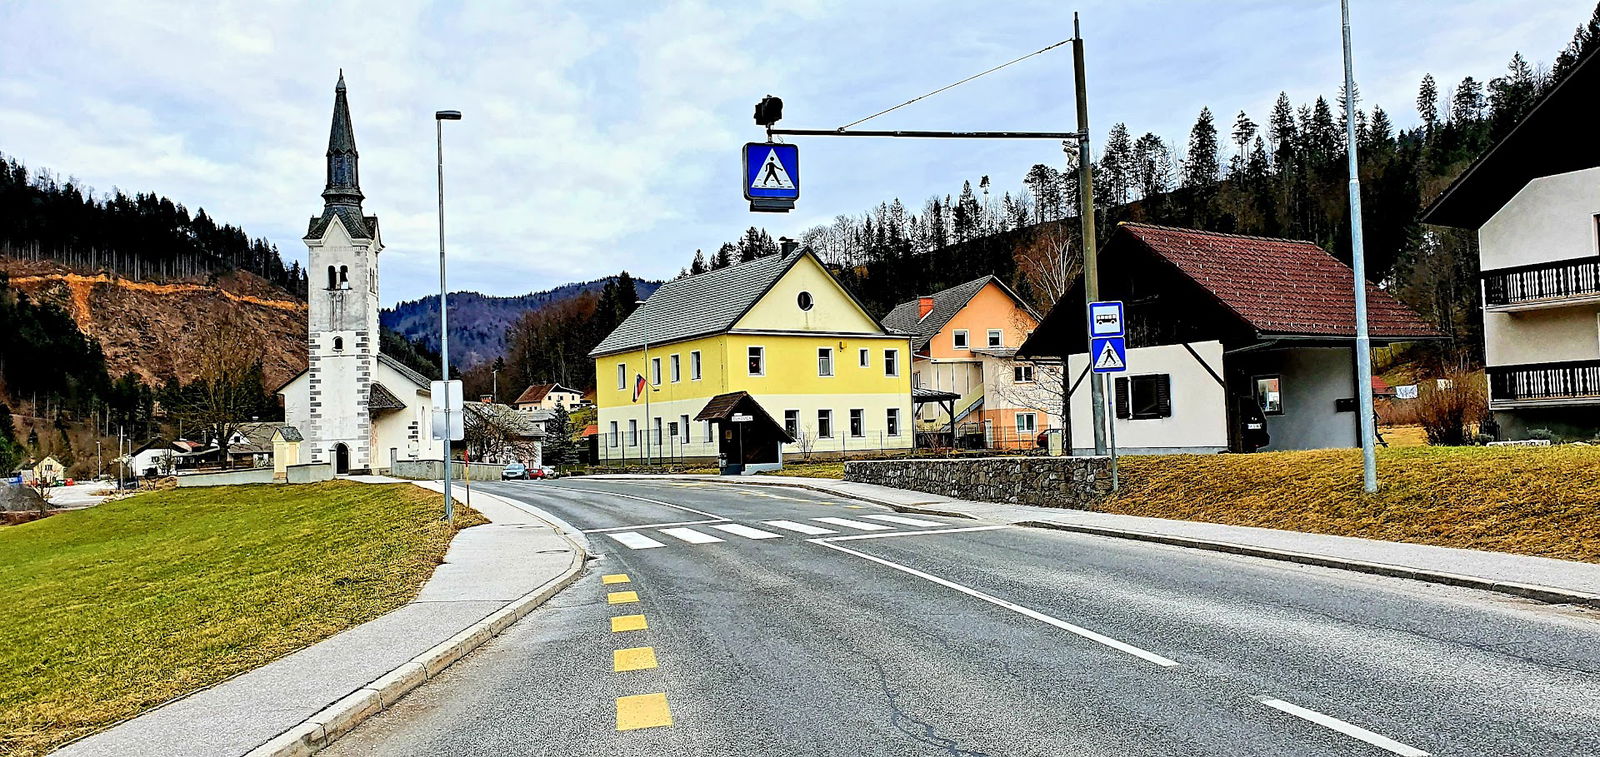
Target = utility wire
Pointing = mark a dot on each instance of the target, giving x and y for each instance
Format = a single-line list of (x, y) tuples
[(957, 84)]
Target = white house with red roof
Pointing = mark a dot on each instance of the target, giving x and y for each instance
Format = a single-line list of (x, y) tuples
[(1230, 336)]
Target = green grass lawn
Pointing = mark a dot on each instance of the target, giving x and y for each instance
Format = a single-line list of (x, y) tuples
[(110, 611)]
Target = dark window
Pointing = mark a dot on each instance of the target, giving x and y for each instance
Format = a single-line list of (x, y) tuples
[(1144, 397), (1269, 394), (825, 424), (857, 423), (891, 362), (333, 277), (805, 301), (757, 361), (893, 421), (791, 423), (338, 343), (344, 277)]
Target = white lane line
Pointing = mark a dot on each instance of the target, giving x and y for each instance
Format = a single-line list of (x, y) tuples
[(801, 527), (742, 530), (641, 499), (904, 521), (1353, 731), (633, 540), (690, 535), (1012, 606), (962, 530), (652, 525), (855, 524)]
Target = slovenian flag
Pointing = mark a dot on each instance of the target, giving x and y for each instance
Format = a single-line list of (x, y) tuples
[(638, 387)]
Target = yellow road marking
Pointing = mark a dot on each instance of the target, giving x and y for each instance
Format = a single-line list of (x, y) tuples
[(615, 578), (856, 507), (622, 597), (643, 711), (637, 658), (628, 623)]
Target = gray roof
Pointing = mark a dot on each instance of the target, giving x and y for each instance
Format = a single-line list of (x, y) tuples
[(422, 382), (945, 306), (694, 306), (360, 226)]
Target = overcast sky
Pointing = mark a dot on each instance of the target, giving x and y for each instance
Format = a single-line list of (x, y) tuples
[(605, 135)]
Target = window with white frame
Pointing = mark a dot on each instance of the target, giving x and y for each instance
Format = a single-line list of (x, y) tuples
[(892, 422), (858, 423), (616, 437), (757, 361), (891, 362), (694, 365), (959, 341), (655, 371), (683, 424), (622, 376), (996, 338), (1027, 423), (711, 432), (791, 423), (825, 361), (633, 432), (1022, 374), (865, 357), (675, 363), (659, 439), (825, 424)]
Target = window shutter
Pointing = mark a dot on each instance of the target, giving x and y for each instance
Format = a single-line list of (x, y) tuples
[(1164, 395), (1122, 398)]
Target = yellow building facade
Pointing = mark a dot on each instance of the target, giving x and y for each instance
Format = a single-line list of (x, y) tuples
[(780, 328)]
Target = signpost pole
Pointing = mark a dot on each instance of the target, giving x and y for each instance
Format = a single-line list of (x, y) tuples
[(1111, 437), (1091, 265)]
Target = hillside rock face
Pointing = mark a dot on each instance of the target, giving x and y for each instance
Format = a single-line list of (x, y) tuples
[(146, 327)]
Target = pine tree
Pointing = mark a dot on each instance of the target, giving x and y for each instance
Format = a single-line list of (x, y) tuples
[(724, 256), (1200, 167), (1281, 131), (1584, 41), (1115, 171), (1467, 105), (1428, 103), (1244, 130), (698, 265)]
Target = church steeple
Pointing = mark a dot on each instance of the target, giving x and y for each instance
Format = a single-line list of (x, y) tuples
[(344, 176)]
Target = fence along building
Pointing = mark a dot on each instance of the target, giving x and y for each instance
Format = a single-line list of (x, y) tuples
[(778, 327), (1534, 201)]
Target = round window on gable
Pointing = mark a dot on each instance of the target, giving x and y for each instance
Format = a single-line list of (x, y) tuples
[(805, 301)]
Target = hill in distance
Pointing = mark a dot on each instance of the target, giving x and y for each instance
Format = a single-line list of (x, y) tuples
[(478, 322)]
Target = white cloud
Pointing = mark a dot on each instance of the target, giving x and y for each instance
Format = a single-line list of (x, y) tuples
[(604, 136)]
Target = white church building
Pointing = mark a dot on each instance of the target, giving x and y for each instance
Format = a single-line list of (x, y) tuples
[(355, 407)]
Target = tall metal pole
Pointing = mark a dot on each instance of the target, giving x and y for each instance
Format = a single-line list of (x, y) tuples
[(1358, 264), (648, 383), (444, 323), (1091, 266)]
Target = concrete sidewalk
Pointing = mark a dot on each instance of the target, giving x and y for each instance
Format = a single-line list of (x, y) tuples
[(492, 575), (1539, 578)]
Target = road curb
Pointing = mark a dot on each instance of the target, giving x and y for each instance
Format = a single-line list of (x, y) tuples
[(1535, 592), (321, 729)]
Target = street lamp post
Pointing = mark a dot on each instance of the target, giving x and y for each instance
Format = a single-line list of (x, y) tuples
[(439, 118), (1358, 266)]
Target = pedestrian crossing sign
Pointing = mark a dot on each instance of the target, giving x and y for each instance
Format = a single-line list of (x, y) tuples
[(771, 171), (1110, 354)]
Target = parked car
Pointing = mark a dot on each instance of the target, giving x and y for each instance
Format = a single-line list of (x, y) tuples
[(514, 471), (543, 471)]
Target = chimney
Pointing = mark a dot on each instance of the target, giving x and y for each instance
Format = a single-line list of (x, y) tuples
[(787, 245), (486, 398), (924, 307)]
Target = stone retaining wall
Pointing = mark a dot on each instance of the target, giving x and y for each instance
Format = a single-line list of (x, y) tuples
[(308, 473), (433, 470), (1072, 482)]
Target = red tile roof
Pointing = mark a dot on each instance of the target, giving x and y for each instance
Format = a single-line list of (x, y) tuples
[(533, 394), (1279, 286)]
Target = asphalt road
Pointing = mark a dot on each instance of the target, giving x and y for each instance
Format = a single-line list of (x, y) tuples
[(932, 638)]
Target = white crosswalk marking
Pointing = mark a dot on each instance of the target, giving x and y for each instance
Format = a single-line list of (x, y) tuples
[(690, 535), (746, 531), (636, 540), (801, 527), (855, 524), (904, 521)]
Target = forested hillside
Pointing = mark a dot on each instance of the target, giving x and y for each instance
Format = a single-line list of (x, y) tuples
[(1283, 174), (479, 322)]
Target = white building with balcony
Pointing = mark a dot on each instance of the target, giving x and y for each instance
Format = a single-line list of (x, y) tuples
[(1534, 201)]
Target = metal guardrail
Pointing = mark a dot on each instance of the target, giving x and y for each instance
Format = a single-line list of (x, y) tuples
[(1569, 380), (1543, 281)]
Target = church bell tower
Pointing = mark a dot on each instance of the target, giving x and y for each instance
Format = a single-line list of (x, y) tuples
[(343, 246)]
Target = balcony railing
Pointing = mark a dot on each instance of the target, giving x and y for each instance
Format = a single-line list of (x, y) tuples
[(1542, 282), (1545, 381)]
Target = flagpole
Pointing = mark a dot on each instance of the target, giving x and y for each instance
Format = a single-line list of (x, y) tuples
[(644, 322)]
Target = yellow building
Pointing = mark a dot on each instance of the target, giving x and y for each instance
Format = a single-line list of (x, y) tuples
[(779, 328)]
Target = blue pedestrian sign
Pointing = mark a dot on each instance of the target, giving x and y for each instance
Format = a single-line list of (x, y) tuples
[(1109, 353), (771, 175)]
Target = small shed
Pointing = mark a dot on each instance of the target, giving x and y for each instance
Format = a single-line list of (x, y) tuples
[(748, 439)]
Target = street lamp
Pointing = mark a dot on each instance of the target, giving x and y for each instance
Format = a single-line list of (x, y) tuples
[(439, 118)]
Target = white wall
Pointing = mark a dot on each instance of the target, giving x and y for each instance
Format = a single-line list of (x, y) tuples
[(1312, 379), (874, 407), (1199, 421)]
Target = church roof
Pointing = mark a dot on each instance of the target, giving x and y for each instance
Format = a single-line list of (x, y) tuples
[(422, 382), (359, 226), (380, 399), (342, 196)]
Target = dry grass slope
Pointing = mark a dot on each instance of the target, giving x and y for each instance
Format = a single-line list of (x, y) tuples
[(1533, 501), (110, 611)]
